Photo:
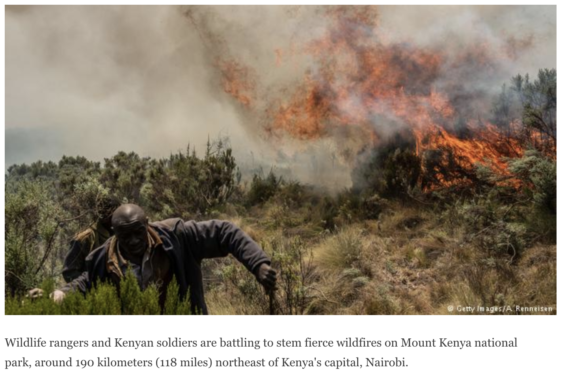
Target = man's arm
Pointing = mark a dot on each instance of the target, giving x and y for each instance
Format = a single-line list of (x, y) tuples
[(218, 238), (74, 267), (74, 264), (81, 283)]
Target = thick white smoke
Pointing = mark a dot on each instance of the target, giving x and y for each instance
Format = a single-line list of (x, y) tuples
[(92, 81)]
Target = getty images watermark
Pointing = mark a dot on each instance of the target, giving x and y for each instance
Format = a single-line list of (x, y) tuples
[(499, 309)]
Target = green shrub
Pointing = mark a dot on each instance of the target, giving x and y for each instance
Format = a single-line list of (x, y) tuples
[(31, 233), (173, 304), (263, 188), (537, 174), (186, 186), (102, 299)]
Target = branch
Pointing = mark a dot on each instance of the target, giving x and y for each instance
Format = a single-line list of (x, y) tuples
[(62, 221), (49, 246), (47, 249), (323, 295)]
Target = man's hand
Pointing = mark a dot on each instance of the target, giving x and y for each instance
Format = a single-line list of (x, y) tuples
[(267, 276), (57, 296), (35, 293)]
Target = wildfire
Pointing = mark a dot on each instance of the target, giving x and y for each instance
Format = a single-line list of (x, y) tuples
[(488, 147), (363, 81), (237, 81)]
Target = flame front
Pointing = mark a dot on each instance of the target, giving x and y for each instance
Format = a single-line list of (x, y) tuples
[(360, 80)]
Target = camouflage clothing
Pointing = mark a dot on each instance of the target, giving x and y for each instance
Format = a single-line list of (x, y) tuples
[(81, 245)]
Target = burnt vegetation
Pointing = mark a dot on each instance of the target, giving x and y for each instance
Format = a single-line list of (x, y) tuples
[(420, 229)]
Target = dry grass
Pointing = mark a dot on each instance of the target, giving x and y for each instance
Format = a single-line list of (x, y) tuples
[(409, 261), (341, 250)]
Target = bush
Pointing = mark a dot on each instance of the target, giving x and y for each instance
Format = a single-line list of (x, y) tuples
[(263, 188), (392, 170), (103, 299), (186, 186), (293, 259), (173, 303), (342, 250), (537, 174), (31, 233)]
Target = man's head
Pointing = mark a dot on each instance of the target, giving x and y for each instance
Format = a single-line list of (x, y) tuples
[(129, 223), (105, 207)]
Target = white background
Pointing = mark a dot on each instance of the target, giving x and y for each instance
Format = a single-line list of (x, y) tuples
[(541, 343)]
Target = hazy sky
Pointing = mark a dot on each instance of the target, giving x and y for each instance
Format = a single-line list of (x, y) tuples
[(93, 80)]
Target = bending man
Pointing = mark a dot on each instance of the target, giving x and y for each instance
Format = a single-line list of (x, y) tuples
[(84, 242), (158, 251), (91, 238)]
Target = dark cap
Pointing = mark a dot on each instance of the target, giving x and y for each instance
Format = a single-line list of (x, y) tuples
[(128, 216)]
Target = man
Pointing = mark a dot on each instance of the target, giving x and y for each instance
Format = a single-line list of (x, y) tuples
[(157, 252), (83, 243), (94, 236)]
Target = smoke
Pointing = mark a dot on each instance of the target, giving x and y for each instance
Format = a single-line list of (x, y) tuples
[(92, 81), (106, 79)]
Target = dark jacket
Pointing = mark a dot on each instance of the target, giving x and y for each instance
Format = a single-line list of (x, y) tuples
[(182, 247), (82, 245)]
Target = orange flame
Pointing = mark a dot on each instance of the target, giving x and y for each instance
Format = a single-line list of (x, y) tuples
[(362, 81), (237, 81)]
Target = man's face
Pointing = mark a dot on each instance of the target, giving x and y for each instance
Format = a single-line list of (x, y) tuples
[(133, 239), (107, 221)]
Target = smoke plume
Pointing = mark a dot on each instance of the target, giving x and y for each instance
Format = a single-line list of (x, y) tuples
[(303, 89)]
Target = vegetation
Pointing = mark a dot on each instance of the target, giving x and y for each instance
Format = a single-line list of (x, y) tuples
[(389, 245), (104, 299)]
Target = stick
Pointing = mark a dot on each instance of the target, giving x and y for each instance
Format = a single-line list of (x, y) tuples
[(271, 305)]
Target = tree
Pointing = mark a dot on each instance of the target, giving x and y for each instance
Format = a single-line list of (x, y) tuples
[(31, 233), (185, 185), (125, 174), (538, 99)]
